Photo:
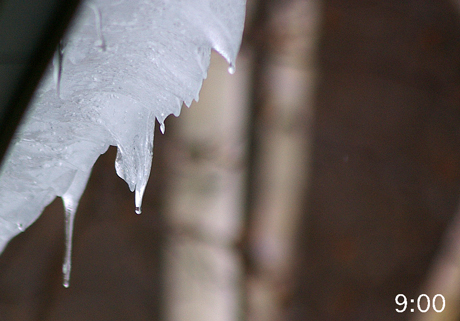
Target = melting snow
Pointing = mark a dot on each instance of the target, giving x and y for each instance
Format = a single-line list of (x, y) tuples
[(123, 64)]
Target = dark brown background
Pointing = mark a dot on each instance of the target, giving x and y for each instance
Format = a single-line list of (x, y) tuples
[(384, 186)]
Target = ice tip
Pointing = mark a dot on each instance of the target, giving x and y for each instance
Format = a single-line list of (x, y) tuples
[(231, 68), (138, 199), (66, 280)]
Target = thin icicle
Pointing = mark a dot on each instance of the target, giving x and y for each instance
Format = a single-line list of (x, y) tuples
[(57, 67), (97, 17), (71, 198), (70, 210)]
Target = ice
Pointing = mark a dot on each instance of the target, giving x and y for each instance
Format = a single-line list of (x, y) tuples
[(231, 68), (123, 64), (97, 16), (57, 67), (70, 200)]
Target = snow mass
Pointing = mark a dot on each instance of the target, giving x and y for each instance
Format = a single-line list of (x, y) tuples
[(123, 64)]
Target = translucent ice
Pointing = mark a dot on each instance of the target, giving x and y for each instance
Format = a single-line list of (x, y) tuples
[(123, 64), (70, 200)]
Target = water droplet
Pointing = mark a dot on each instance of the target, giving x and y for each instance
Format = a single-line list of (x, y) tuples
[(138, 195), (21, 227), (162, 128), (231, 68)]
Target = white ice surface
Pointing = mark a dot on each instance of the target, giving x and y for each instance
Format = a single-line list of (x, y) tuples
[(124, 63)]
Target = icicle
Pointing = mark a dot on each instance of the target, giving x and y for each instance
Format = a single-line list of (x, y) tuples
[(146, 162), (139, 194), (70, 210), (71, 198), (97, 17), (57, 67)]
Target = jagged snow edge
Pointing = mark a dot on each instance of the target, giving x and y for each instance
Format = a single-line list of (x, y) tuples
[(226, 45)]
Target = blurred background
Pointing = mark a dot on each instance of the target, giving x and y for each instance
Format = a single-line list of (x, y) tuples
[(318, 182)]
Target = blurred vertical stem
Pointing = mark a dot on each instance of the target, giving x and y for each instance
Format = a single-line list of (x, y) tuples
[(254, 42), (203, 199), (282, 40)]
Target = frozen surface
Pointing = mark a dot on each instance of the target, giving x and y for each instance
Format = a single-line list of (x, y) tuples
[(125, 63)]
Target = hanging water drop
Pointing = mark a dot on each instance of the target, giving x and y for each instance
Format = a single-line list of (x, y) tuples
[(231, 68), (139, 194)]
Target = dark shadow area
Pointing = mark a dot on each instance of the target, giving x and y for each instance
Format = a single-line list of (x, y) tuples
[(386, 167)]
